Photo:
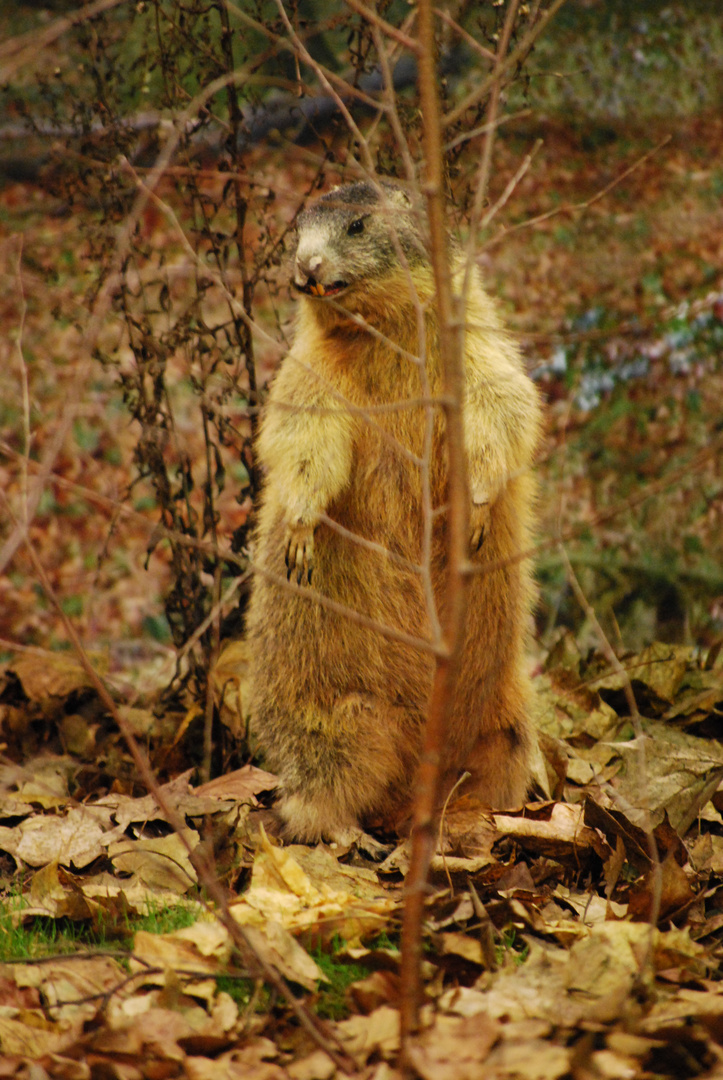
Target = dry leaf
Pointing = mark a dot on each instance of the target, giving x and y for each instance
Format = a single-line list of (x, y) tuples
[(73, 839), (42, 780), (347, 901), (30, 1036), (661, 668), (54, 892), (177, 795), (53, 674), (231, 679), (377, 1033), (463, 945), (528, 1060), (281, 951), (454, 1048), (242, 785), (681, 773), (204, 947), (317, 1066), (379, 988), (161, 863), (676, 892), (563, 834), (250, 1062), (73, 989)]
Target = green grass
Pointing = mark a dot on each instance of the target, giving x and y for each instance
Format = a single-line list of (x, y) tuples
[(332, 1004), (340, 974), (510, 948), (43, 936)]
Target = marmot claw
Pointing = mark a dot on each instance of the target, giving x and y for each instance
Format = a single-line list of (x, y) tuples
[(479, 521), (300, 553)]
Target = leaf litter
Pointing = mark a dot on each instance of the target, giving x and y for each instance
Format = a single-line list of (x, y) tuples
[(539, 960)]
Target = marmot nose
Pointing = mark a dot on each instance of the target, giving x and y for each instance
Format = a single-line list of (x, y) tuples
[(308, 266)]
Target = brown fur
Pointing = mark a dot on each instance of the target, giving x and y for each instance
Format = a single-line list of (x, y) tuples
[(338, 708)]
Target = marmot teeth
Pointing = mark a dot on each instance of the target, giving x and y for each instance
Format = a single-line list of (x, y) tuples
[(317, 288)]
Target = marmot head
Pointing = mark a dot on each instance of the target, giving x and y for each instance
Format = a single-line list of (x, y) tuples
[(353, 236)]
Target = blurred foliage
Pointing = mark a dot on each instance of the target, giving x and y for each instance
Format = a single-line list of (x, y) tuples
[(648, 405), (617, 61)]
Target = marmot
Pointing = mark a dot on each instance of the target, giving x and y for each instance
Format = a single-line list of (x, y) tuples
[(337, 707)]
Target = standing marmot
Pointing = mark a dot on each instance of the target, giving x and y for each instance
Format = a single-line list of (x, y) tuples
[(337, 707)]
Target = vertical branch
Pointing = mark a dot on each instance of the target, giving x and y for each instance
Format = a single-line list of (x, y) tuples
[(450, 320), (640, 739), (25, 457), (243, 331), (485, 165)]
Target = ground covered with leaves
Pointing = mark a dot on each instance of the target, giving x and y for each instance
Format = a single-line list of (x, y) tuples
[(539, 962)]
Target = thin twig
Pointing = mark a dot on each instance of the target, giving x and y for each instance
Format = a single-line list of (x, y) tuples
[(572, 208), (640, 739), (377, 22), (444, 681), (485, 164), (514, 57), (481, 50), (440, 839)]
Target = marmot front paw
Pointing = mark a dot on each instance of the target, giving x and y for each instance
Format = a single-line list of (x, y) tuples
[(300, 553)]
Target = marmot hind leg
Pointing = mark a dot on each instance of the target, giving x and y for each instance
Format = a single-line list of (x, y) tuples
[(356, 760), (500, 767)]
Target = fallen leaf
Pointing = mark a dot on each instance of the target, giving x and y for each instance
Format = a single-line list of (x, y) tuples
[(462, 945), (231, 686), (54, 892), (74, 989), (281, 951), (563, 834), (241, 785), (42, 781), (162, 862), (531, 1059), (53, 674), (676, 892), (74, 839), (204, 948), (681, 773), (377, 1033), (348, 901), (317, 1066), (28, 1035), (250, 1062), (454, 1048)]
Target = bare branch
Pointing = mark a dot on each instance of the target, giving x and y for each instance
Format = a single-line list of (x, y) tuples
[(485, 53), (379, 23), (516, 56), (442, 693), (571, 208)]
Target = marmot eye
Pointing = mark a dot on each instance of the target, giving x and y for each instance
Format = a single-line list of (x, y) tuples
[(356, 227)]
